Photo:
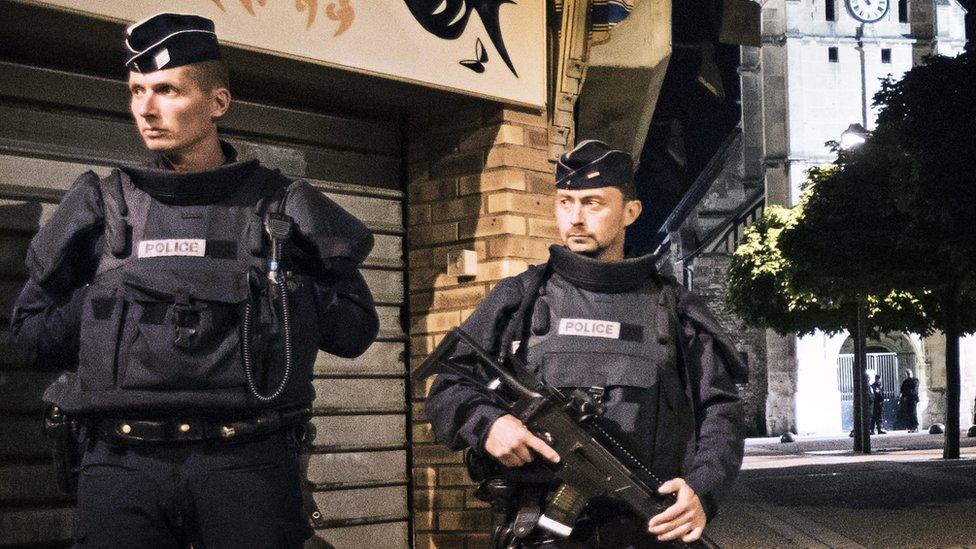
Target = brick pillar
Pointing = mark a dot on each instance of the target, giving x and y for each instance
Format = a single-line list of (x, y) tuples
[(479, 179)]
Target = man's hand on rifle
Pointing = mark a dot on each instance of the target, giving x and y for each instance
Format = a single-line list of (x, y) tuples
[(512, 444), (685, 519)]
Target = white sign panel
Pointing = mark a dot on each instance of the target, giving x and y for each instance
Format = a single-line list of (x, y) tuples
[(490, 48)]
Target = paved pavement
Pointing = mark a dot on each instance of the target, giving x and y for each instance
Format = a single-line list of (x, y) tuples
[(817, 493)]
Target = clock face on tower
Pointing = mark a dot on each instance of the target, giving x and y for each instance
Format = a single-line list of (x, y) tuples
[(868, 11)]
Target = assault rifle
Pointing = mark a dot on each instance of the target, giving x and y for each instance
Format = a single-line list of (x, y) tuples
[(592, 463)]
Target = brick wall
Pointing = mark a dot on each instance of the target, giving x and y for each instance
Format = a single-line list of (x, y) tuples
[(480, 179)]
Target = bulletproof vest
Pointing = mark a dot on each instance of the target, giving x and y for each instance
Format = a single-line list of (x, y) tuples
[(161, 329), (608, 329)]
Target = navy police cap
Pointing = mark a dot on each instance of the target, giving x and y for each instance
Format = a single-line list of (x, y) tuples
[(593, 164), (168, 40)]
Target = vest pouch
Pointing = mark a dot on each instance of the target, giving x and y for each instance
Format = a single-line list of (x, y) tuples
[(183, 328), (630, 389), (628, 383), (101, 319)]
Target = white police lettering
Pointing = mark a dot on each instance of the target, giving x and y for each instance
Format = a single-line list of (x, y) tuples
[(192, 247), (589, 328)]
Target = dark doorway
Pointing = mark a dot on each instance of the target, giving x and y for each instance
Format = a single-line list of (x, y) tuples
[(697, 108)]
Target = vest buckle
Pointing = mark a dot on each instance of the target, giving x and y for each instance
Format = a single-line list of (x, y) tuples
[(186, 318)]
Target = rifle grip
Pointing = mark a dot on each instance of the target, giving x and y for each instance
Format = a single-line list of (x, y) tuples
[(563, 508)]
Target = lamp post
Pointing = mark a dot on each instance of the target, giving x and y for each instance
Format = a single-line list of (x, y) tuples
[(853, 137), (859, 34)]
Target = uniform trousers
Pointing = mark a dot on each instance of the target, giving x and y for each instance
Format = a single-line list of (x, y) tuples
[(207, 494)]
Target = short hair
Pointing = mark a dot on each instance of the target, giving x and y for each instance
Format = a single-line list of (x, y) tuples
[(210, 75), (629, 189)]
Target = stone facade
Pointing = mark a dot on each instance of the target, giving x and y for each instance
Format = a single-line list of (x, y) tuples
[(480, 179), (710, 284), (933, 405)]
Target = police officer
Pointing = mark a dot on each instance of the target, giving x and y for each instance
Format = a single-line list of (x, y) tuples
[(594, 319), (877, 405), (188, 299)]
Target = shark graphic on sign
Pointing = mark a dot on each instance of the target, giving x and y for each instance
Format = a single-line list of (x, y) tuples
[(447, 19)]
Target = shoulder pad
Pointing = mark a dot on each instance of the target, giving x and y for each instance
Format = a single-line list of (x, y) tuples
[(529, 277), (668, 280), (80, 212), (489, 320), (333, 234), (509, 291), (692, 309)]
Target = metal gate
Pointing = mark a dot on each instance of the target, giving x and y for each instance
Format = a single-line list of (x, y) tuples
[(889, 366)]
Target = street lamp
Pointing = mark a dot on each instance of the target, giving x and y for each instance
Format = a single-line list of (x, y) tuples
[(853, 137)]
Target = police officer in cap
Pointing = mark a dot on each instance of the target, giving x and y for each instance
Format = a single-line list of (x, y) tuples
[(188, 300), (596, 319)]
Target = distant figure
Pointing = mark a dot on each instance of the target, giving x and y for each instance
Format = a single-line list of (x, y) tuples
[(907, 417), (877, 405)]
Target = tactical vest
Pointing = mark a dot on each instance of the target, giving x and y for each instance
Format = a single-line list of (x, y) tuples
[(161, 329), (621, 348)]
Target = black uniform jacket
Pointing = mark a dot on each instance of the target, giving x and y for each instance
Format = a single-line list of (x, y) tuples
[(47, 315), (694, 429)]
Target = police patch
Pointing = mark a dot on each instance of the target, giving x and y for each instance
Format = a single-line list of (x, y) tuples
[(161, 58), (190, 247), (589, 328)]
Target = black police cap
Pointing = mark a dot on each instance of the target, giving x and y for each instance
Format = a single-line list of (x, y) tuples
[(593, 164), (168, 40)]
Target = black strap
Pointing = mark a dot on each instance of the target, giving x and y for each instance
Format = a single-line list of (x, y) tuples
[(112, 186), (529, 511), (125, 223), (518, 325), (670, 298), (274, 190), (117, 228)]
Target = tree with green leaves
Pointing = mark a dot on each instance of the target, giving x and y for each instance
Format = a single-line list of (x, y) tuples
[(894, 218), (926, 133), (798, 270), (849, 247), (760, 281)]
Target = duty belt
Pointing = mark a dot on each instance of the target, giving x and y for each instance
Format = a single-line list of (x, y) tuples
[(194, 429)]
